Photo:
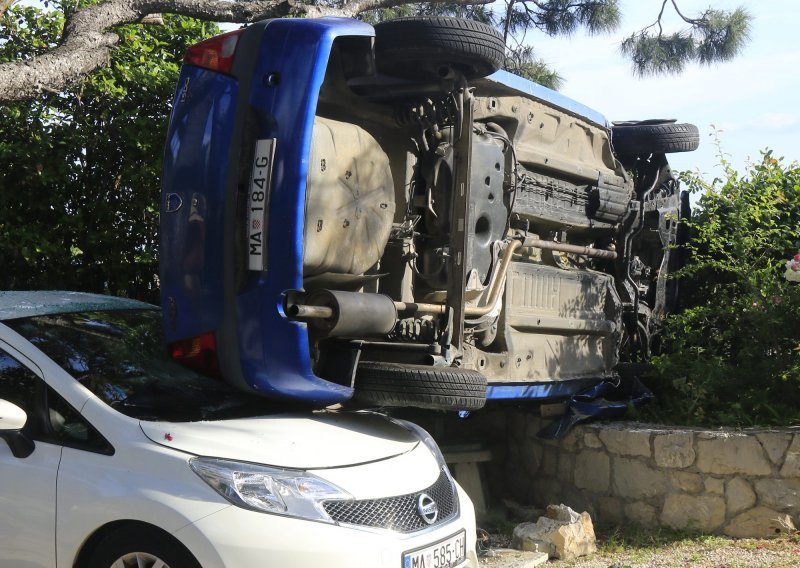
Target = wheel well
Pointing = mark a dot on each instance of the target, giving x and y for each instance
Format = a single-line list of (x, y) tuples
[(91, 543)]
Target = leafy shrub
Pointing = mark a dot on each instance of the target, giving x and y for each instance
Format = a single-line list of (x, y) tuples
[(733, 353), (79, 181)]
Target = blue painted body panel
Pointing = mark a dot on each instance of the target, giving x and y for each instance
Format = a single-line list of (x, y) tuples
[(274, 351), (195, 169), (539, 391), (541, 92)]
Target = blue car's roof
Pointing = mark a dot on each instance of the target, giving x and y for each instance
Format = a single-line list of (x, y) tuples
[(15, 305), (517, 83)]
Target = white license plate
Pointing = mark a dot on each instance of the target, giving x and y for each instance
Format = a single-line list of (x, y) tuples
[(258, 204), (447, 553)]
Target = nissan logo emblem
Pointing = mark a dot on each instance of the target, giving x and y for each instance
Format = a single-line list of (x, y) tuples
[(427, 508)]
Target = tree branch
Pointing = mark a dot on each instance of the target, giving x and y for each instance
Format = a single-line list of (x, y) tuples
[(4, 5), (661, 15), (685, 18), (88, 33), (360, 6), (86, 41), (509, 14)]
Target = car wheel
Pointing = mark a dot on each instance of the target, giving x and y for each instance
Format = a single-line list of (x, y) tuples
[(440, 388), (651, 137), (423, 47), (141, 547)]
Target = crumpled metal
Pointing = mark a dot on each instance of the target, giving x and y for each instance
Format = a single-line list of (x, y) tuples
[(607, 400)]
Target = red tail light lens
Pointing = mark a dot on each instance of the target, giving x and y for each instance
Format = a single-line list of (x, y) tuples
[(215, 53), (197, 353)]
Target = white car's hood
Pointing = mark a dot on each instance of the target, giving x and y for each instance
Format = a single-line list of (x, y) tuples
[(303, 441)]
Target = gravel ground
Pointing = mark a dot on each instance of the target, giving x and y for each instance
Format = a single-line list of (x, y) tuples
[(695, 552)]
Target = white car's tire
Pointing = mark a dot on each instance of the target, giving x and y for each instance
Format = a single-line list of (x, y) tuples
[(141, 546)]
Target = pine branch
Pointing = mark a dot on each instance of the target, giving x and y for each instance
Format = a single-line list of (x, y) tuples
[(86, 41)]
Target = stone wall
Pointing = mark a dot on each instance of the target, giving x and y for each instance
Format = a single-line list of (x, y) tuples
[(739, 483)]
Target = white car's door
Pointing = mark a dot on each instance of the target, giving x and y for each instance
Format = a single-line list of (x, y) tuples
[(27, 484)]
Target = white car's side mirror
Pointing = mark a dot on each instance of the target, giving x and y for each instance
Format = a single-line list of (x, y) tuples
[(12, 420), (12, 417)]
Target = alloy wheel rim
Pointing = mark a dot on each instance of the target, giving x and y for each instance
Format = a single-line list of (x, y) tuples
[(139, 560)]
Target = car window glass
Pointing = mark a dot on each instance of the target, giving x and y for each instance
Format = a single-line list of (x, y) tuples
[(69, 428), (120, 356), (61, 424), (19, 385)]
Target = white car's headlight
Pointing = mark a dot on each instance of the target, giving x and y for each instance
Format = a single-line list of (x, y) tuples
[(426, 439), (294, 493)]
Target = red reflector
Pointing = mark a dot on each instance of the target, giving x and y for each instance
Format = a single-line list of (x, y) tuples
[(197, 353), (215, 53)]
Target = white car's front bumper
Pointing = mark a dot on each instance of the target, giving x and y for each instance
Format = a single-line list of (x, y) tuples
[(238, 538)]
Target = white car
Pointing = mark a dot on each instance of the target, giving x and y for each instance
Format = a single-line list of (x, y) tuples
[(115, 456)]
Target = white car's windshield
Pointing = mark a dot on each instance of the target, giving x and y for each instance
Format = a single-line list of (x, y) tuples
[(121, 357)]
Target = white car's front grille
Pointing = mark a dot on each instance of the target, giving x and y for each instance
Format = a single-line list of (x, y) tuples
[(401, 513)]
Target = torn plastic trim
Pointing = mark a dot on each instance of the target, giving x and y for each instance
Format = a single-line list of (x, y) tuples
[(607, 400), (551, 390)]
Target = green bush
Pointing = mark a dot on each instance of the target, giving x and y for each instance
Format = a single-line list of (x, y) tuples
[(733, 352), (80, 169)]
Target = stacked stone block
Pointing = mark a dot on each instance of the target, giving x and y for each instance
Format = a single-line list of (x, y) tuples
[(739, 483)]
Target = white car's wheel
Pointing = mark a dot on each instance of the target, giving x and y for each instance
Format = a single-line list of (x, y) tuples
[(139, 560), (141, 546)]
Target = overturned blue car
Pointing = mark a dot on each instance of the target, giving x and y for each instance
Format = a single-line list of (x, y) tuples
[(378, 214)]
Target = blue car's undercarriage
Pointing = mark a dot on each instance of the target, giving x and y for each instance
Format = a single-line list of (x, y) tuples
[(388, 219)]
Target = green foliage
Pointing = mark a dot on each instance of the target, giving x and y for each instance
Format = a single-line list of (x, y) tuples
[(478, 12), (560, 17), (615, 539), (735, 348), (523, 62), (722, 35), (714, 36), (658, 55), (79, 187)]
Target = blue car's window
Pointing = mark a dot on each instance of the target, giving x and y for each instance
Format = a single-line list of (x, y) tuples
[(120, 356)]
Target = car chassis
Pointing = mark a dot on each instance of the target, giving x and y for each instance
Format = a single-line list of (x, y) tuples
[(359, 212)]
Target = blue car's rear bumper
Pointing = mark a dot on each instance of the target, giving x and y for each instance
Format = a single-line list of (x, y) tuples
[(215, 122)]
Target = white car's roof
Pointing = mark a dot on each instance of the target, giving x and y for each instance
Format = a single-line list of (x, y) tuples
[(15, 305)]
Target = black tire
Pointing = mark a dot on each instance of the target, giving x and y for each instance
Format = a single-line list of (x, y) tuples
[(418, 48), (149, 542), (667, 138), (439, 388)]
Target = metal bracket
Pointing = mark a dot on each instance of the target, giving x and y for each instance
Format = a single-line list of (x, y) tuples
[(460, 219)]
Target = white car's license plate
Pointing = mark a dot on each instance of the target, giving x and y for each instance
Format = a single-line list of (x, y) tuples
[(258, 204), (446, 553)]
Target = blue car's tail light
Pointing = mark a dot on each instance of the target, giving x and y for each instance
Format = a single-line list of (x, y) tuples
[(197, 353), (216, 53)]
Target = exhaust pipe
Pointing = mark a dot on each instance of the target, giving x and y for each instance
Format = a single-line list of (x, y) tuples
[(346, 314)]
